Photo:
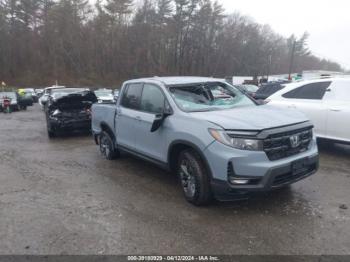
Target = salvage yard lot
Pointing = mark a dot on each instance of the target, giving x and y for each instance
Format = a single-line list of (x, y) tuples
[(62, 197)]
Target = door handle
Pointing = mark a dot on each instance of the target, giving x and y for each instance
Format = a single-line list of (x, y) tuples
[(292, 106), (138, 118)]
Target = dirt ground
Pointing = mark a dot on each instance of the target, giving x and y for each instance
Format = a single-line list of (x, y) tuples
[(60, 197)]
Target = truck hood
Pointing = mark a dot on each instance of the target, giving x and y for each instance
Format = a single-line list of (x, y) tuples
[(252, 117)]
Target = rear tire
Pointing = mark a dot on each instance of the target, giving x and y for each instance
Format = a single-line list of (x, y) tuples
[(107, 148), (194, 178)]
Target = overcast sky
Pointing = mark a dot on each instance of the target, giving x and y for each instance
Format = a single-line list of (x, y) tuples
[(328, 22)]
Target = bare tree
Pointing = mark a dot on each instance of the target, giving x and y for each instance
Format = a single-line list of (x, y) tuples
[(75, 43)]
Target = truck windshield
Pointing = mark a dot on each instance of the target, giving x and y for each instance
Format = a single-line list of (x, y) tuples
[(208, 97)]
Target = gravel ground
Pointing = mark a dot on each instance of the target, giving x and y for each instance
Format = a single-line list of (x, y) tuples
[(61, 197)]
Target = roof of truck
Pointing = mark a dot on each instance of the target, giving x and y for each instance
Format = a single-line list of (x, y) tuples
[(178, 80)]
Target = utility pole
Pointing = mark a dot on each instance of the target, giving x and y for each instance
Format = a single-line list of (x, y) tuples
[(292, 60), (269, 67)]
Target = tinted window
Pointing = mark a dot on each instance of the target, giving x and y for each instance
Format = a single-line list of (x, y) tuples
[(152, 99), (132, 96), (269, 89), (310, 91)]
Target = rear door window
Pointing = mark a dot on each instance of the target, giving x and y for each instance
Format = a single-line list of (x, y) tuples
[(132, 96), (313, 91)]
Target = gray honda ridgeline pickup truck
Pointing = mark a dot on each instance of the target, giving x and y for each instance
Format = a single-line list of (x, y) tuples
[(218, 141)]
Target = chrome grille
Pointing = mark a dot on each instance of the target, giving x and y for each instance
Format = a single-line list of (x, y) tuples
[(282, 145)]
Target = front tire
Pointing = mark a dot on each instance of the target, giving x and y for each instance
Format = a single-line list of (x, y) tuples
[(194, 178), (51, 134), (107, 148)]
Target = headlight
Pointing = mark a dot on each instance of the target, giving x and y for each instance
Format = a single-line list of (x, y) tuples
[(236, 142), (56, 112)]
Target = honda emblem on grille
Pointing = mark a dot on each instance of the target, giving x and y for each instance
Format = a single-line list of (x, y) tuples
[(295, 141)]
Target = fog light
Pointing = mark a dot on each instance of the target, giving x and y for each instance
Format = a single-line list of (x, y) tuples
[(239, 181)]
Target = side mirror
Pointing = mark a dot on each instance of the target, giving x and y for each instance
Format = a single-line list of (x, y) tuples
[(158, 121)]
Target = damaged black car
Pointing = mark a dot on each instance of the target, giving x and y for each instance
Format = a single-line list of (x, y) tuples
[(68, 110)]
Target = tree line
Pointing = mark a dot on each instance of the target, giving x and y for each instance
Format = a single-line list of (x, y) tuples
[(77, 43)]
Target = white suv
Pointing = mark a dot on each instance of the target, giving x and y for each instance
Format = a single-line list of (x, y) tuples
[(325, 101)]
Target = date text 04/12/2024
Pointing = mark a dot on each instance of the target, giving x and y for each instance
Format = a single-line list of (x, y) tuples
[(173, 258)]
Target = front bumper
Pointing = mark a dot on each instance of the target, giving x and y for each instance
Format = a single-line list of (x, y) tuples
[(265, 174)]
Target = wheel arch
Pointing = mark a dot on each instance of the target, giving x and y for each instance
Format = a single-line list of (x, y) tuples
[(105, 128), (178, 146)]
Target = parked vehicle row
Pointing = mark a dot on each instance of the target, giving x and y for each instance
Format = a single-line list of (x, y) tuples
[(219, 142), (15, 101)]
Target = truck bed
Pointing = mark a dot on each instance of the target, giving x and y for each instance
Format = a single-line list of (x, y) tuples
[(102, 114)]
